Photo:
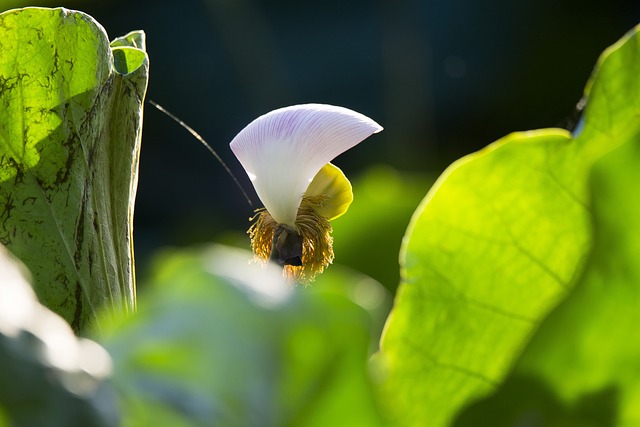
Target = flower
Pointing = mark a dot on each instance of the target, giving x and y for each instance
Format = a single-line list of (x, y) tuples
[(286, 154)]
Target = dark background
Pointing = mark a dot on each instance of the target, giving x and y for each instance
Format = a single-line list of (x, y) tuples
[(444, 77)]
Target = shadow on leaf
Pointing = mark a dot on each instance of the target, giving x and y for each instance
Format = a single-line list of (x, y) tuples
[(527, 402)]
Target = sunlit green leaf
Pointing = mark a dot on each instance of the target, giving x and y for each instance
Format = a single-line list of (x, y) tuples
[(582, 367), (494, 246), (219, 341), (69, 142)]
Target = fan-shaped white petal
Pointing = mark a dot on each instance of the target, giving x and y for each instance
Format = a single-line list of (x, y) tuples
[(284, 149)]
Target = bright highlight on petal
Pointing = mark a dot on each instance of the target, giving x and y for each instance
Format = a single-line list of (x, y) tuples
[(282, 151), (286, 154)]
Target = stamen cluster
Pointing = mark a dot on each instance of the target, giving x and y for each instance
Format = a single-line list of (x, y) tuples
[(315, 231)]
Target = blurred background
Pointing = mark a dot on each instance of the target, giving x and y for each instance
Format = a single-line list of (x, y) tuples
[(444, 77)]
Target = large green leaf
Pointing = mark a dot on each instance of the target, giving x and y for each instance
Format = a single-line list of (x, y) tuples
[(582, 368), (218, 341), (69, 143), (48, 377), (493, 247)]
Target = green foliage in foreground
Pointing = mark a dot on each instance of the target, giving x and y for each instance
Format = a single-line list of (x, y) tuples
[(217, 341), (498, 242), (48, 377), (70, 134), (518, 303), (582, 367)]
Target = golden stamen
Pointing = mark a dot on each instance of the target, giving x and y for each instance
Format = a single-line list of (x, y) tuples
[(315, 231), (261, 234)]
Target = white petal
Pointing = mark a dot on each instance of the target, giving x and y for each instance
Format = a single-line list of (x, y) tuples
[(283, 150)]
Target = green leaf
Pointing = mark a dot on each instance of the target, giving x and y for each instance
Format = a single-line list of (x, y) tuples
[(48, 376), (584, 360), (495, 245), (219, 341), (69, 146)]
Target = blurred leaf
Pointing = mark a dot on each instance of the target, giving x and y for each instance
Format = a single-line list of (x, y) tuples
[(69, 145), (493, 248), (48, 376), (361, 289), (367, 238), (586, 354), (219, 341)]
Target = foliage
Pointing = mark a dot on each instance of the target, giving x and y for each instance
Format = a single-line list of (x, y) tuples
[(495, 245), (220, 342), (48, 376), (69, 144), (581, 367), (519, 277)]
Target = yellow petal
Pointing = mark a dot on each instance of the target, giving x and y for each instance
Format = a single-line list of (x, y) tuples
[(333, 191)]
